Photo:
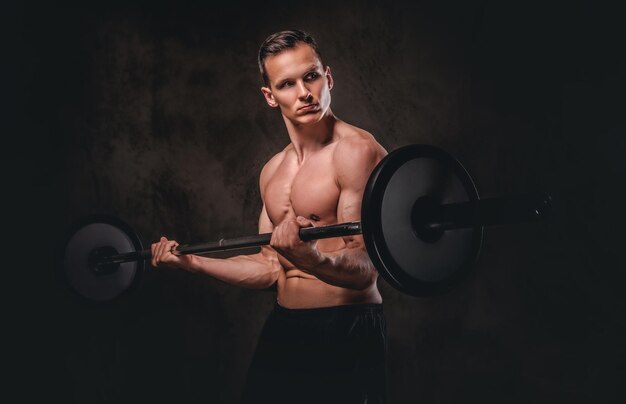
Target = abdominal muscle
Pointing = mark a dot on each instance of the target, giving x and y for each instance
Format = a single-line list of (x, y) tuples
[(303, 292)]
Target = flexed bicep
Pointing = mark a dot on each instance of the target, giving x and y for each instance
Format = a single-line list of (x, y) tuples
[(355, 159)]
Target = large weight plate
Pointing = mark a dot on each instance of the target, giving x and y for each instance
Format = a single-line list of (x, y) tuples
[(93, 233), (407, 261)]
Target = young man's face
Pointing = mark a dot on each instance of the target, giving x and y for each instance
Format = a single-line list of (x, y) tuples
[(298, 85)]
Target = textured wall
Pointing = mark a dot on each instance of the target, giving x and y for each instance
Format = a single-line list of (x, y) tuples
[(152, 112)]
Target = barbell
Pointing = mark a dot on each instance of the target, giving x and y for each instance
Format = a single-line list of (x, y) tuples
[(421, 219)]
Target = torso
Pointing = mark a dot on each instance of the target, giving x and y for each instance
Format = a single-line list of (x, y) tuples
[(309, 189)]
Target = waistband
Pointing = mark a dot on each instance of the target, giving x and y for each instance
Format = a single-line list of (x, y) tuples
[(376, 308)]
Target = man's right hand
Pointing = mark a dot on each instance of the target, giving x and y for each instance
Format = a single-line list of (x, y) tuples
[(162, 256)]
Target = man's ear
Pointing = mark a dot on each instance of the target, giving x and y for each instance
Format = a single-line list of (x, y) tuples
[(269, 97), (329, 77)]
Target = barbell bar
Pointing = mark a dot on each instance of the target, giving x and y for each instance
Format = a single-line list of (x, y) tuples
[(422, 222)]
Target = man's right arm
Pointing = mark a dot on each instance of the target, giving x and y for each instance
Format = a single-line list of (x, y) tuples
[(254, 271)]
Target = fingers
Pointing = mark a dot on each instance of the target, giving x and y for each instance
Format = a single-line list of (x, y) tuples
[(304, 222), (282, 236), (162, 252), (286, 235), (162, 249)]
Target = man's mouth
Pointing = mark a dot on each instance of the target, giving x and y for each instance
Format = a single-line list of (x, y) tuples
[(309, 108)]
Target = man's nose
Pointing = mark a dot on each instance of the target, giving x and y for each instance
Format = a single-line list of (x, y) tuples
[(303, 92)]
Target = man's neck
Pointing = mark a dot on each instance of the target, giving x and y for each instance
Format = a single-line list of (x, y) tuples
[(311, 138)]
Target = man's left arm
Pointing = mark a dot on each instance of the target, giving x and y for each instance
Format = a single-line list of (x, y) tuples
[(350, 267)]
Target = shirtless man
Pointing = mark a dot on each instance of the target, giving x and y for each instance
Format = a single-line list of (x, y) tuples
[(325, 339)]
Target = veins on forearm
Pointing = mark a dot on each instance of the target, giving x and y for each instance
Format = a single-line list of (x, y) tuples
[(349, 268)]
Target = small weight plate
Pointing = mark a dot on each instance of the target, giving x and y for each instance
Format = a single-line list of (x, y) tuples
[(100, 233)]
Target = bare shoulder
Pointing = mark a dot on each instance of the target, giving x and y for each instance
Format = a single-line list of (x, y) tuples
[(271, 166), (357, 149)]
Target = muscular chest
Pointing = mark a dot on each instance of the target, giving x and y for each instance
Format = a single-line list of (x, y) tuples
[(307, 190)]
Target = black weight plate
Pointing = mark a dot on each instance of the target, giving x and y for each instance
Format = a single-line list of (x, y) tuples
[(407, 261), (98, 232)]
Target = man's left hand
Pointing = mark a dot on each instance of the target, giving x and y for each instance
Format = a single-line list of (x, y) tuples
[(286, 241)]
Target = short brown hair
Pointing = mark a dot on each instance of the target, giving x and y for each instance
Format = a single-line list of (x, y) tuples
[(280, 41)]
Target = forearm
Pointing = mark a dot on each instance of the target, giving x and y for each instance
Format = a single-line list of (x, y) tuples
[(349, 268), (255, 271)]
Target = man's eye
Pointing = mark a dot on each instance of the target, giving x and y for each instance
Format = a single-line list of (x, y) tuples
[(311, 76), (286, 84)]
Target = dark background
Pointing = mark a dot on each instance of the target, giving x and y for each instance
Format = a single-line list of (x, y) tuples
[(152, 112)]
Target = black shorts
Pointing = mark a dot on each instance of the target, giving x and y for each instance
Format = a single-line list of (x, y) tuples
[(322, 355)]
